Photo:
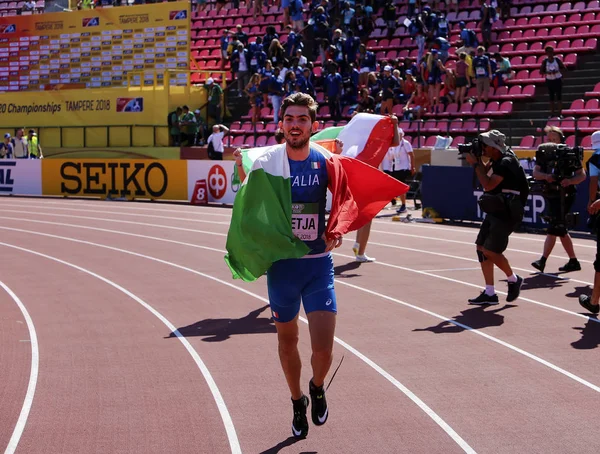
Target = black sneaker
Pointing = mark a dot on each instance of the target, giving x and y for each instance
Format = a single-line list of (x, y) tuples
[(319, 409), (484, 298), (300, 423), (572, 265), (539, 265), (586, 302), (514, 289)]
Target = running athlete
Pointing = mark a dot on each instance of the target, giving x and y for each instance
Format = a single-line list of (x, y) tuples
[(309, 279)]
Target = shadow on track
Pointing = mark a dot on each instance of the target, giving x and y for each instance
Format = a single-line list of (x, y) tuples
[(590, 335), (284, 444), (341, 270), (220, 329), (538, 280), (577, 291), (476, 318)]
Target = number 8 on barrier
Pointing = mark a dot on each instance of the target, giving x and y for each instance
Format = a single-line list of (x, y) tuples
[(200, 194)]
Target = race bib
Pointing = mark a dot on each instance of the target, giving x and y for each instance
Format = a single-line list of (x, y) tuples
[(305, 221), (480, 71)]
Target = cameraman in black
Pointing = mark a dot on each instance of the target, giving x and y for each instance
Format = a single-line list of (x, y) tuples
[(505, 193), (546, 169)]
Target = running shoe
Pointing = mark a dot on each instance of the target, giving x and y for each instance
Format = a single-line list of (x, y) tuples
[(484, 298), (364, 258), (514, 289), (572, 265), (539, 265), (300, 422), (586, 302), (319, 409), (402, 209)]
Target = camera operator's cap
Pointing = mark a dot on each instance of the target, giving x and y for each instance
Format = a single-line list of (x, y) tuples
[(494, 138), (596, 140)]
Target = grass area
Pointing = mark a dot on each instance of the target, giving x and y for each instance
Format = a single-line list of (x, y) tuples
[(112, 153)]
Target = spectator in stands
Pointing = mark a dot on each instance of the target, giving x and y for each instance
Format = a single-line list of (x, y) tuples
[(591, 302), (468, 39), (449, 90), (443, 47), (276, 90), (240, 62), (224, 43), (188, 127), (417, 105), (28, 7), (418, 31), (404, 165), (20, 145), (362, 24), (488, 17), (333, 91), (483, 74), (297, 14), (348, 14), (388, 85), (390, 16), (552, 69), (174, 130), (366, 103), (504, 71), (240, 35), (302, 60), (462, 78), (256, 101), (366, 62), (435, 69), (276, 52), (557, 226), (266, 74), (6, 148), (215, 142), (33, 145), (505, 8), (215, 92)]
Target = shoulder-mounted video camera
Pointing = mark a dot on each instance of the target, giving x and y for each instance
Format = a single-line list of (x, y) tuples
[(475, 147), (559, 160)]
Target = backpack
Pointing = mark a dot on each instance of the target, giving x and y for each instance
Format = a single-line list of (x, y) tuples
[(472, 40)]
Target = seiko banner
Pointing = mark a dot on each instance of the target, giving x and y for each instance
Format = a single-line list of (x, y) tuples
[(454, 191)]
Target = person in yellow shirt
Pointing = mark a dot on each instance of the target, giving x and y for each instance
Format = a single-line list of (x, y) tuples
[(33, 145)]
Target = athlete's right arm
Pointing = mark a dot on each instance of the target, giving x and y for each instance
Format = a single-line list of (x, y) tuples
[(237, 154)]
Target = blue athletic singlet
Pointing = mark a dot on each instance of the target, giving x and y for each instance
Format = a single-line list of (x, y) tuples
[(309, 195)]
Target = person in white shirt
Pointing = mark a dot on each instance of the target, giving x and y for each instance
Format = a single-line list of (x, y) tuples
[(387, 165), (21, 150), (404, 165), (215, 141)]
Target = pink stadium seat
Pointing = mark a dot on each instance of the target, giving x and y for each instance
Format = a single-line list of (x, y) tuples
[(595, 91), (586, 142), (430, 142), (527, 142), (457, 140)]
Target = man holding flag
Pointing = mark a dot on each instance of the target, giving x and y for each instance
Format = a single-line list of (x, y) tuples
[(278, 226)]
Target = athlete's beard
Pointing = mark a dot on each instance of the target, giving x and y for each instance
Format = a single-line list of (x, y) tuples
[(296, 142)]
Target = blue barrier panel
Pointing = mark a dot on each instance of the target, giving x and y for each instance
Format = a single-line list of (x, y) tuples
[(453, 192)]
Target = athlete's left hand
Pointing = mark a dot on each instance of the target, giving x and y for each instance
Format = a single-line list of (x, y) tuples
[(339, 146), (331, 244)]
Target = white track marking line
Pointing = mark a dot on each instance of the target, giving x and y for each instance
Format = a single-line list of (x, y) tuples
[(118, 213), (445, 240), (523, 237), (413, 397), (33, 374), (450, 269), (441, 317), (225, 416), (560, 309), (458, 257), (111, 220)]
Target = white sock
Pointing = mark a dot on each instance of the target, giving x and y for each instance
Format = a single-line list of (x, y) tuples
[(489, 290), (512, 278)]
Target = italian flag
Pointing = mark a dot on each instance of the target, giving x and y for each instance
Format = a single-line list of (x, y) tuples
[(260, 232)]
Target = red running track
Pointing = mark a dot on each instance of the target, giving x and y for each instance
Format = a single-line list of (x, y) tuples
[(146, 344)]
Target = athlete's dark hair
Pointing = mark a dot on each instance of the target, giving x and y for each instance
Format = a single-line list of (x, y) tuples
[(300, 99), (279, 137)]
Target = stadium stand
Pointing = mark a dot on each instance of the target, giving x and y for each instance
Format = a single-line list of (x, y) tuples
[(517, 101)]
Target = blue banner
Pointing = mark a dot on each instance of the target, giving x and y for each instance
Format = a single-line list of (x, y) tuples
[(453, 192)]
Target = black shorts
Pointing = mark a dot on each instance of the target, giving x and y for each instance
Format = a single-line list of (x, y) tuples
[(554, 88), (402, 175), (493, 234), (557, 225)]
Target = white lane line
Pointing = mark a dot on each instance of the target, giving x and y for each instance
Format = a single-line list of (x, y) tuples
[(458, 257), (109, 220), (225, 416), (445, 240), (560, 309), (33, 374), (125, 214), (191, 209), (450, 269), (413, 397), (469, 230)]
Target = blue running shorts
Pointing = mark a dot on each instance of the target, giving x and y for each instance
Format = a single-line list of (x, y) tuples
[(306, 279)]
